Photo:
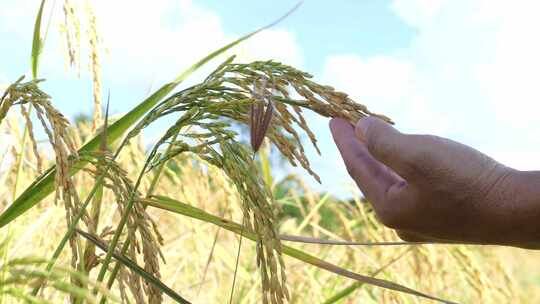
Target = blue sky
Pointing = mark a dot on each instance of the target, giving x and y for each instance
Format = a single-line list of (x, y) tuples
[(464, 69), (322, 28)]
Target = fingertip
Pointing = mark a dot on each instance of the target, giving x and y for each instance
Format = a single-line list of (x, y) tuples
[(340, 126), (338, 122), (332, 124)]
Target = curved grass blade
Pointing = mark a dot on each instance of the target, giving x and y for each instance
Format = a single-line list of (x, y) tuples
[(236, 266), (342, 294), (208, 261), (310, 240), (136, 268), (37, 42), (18, 293), (155, 179), (39, 190), (172, 205)]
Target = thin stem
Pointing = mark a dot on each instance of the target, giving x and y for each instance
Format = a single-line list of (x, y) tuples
[(119, 228), (205, 271), (19, 163), (96, 188), (71, 228), (351, 288), (150, 192), (98, 198), (20, 156), (237, 262)]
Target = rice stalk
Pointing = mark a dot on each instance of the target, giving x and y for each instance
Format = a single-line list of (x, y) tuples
[(95, 64), (236, 265), (71, 28), (149, 278), (134, 217), (22, 271), (142, 233), (55, 127), (29, 128), (338, 296)]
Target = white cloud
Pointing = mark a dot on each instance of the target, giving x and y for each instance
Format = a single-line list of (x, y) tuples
[(388, 85), (512, 77), (157, 40), (371, 77), (147, 41), (523, 159), (418, 12), (148, 44), (471, 72), (276, 44)]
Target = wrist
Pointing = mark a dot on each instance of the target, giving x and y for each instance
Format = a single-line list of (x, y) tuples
[(521, 216)]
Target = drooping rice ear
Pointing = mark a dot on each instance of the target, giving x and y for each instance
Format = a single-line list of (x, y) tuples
[(260, 118)]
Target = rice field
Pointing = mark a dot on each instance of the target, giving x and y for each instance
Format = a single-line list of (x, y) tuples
[(92, 215)]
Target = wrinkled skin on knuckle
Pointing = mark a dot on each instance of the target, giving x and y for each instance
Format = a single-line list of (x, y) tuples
[(441, 165), (474, 184), (492, 180), (415, 159), (420, 160), (462, 194), (400, 208)]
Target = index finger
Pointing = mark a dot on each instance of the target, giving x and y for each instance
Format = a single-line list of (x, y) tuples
[(372, 177)]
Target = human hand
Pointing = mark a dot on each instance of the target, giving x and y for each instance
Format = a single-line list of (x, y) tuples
[(430, 188)]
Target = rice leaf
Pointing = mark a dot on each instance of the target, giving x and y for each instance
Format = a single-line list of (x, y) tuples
[(172, 205), (136, 268), (310, 240), (19, 293), (37, 42), (342, 294)]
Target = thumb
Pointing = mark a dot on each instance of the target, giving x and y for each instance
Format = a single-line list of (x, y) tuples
[(385, 143)]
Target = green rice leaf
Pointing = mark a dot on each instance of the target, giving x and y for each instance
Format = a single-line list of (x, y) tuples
[(344, 293), (172, 205), (37, 42), (149, 278)]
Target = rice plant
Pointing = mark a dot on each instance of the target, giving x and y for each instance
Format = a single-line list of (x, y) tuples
[(106, 186), (21, 272)]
